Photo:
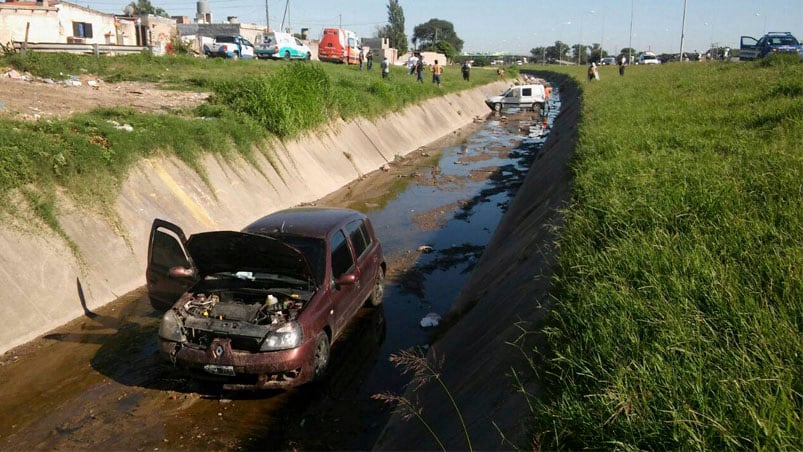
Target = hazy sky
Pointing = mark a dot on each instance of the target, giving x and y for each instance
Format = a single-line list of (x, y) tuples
[(519, 25)]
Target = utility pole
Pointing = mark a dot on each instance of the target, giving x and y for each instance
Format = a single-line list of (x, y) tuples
[(286, 4), (267, 17), (630, 41), (683, 31)]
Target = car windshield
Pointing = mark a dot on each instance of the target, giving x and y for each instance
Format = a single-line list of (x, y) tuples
[(313, 249), (256, 276), (784, 41), (224, 39)]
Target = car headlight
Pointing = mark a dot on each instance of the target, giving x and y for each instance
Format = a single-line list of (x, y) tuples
[(171, 329), (287, 336)]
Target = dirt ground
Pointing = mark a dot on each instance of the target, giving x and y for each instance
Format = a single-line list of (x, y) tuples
[(36, 98)]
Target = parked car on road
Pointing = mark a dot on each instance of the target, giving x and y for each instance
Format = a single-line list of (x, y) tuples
[(230, 46), (607, 61), (771, 43), (280, 45), (521, 96), (260, 308), (648, 58)]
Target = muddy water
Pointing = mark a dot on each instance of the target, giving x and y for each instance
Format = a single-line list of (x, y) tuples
[(99, 383)]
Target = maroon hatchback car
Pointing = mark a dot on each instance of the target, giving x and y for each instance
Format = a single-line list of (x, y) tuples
[(260, 308)]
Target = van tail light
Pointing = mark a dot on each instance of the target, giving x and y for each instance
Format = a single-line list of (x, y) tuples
[(275, 48)]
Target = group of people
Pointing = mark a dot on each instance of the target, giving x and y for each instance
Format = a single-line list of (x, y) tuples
[(415, 66), (593, 69)]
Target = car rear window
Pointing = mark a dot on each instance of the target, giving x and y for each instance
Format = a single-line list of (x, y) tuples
[(224, 39)]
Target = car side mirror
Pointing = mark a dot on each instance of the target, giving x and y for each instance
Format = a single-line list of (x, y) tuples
[(181, 272), (348, 279)]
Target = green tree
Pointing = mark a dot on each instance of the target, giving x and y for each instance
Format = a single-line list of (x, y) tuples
[(580, 50), (446, 48), (394, 31), (539, 54), (559, 51), (428, 34), (144, 7)]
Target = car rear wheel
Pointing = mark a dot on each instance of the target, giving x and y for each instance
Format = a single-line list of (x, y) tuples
[(309, 57), (287, 55), (320, 360), (235, 56), (379, 289)]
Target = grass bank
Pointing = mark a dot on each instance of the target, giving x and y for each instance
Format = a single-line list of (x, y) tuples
[(679, 292), (89, 156)]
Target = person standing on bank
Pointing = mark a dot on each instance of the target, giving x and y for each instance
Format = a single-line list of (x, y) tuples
[(466, 70), (361, 57), (437, 70), (385, 68), (369, 59), (622, 62), (419, 69)]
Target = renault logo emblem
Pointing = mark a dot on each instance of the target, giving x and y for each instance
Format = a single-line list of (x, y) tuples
[(218, 351)]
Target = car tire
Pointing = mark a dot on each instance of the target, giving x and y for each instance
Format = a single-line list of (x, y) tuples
[(320, 359), (497, 107), (287, 55), (235, 56), (308, 57), (375, 299)]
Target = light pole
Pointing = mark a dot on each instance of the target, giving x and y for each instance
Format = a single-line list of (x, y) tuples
[(683, 31), (630, 41)]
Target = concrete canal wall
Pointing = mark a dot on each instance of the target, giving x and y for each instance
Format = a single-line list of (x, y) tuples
[(48, 283)]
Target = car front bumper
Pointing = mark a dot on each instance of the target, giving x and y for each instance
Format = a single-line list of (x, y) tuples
[(264, 370)]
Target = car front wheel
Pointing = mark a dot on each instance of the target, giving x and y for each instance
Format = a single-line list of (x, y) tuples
[(287, 55), (320, 360), (235, 56)]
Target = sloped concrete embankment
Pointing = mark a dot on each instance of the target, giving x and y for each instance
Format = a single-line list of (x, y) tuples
[(505, 297), (48, 284)]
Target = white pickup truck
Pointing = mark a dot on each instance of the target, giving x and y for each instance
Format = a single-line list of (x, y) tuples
[(521, 96), (228, 46)]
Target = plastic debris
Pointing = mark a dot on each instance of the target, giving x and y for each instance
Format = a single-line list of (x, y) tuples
[(430, 320), (424, 249)]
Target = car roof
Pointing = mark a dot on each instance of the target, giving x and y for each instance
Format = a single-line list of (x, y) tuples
[(304, 221)]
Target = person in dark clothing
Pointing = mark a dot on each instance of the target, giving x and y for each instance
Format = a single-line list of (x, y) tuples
[(622, 62), (369, 59), (466, 70), (419, 69)]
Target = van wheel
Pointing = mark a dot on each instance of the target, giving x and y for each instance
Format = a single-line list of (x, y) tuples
[(309, 57), (320, 361), (287, 55), (235, 56), (497, 107)]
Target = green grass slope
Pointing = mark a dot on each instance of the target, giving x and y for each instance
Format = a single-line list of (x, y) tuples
[(679, 292)]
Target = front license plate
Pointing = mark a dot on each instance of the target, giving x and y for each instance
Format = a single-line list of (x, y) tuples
[(220, 370)]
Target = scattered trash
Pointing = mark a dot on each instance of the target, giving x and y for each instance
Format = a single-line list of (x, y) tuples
[(425, 249), (118, 126), (430, 320), (386, 167), (92, 83), (12, 74)]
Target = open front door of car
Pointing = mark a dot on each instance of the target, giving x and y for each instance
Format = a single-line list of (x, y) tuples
[(166, 250), (748, 49)]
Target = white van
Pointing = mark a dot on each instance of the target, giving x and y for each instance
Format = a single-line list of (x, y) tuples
[(521, 96), (278, 45), (648, 58)]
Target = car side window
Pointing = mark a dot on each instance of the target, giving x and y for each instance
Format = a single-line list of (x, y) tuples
[(341, 255), (358, 235), (527, 92)]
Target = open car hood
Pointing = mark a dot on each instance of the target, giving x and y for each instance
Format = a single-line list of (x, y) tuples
[(229, 251)]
